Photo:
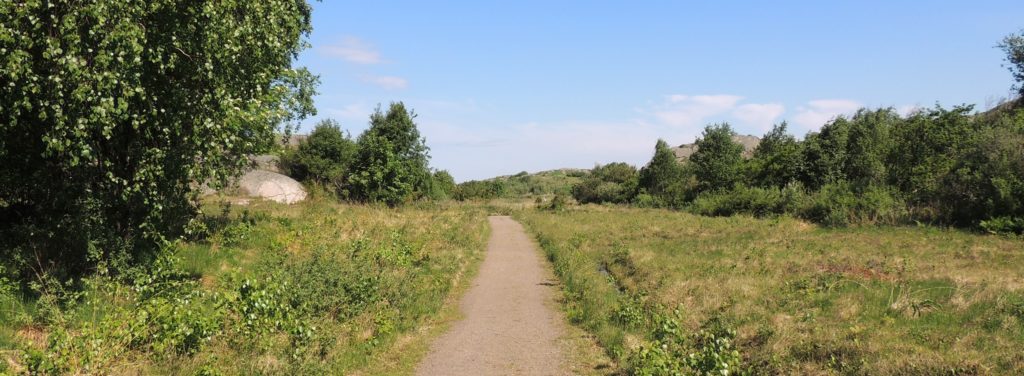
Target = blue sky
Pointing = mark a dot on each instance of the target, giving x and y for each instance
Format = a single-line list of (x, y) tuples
[(536, 85)]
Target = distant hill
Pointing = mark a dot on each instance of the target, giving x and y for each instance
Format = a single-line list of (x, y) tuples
[(523, 184), (684, 151), (558, 181)]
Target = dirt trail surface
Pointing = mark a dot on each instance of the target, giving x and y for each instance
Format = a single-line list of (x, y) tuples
[(509, 326)]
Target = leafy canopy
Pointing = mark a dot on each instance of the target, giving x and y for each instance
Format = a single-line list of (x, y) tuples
[(718, 161), (1013, 46), (111, 111), (392, 163), (324, 157)]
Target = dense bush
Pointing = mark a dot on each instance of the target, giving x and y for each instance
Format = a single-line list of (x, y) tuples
[(442, 185), (718, 161), (838, 205), (323, 158), (522, 185), (480, 189), (664, 179), (111, 111), (749, 200), (777, 159), (391, 165), (614, 182)]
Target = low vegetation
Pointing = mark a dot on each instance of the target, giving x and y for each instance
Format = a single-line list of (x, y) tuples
[(316, 288), (668, 292), (522, 185)]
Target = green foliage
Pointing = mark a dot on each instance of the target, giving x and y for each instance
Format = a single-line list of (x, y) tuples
[(558, 203), (1004, 225), (480, 189), (718, 161), (1013, 46), (838, 205), (614, 183), (391, 165), (777, 159), (442, 185), (987, 178), (324, 157), (664, 178), (523, 184), (384, 270), (113, 110), (868, 147), (927, 146), (824, 154), (755, 201)]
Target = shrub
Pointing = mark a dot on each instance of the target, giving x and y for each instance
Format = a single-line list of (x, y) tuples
[(1004, 225), (324, 157), (663, 176), (558, 203), (718, 161), (838, 205), (476, 189), (746, 200), (391, 165), (442, 185), (776, 160), (614, 183), (645, 200)]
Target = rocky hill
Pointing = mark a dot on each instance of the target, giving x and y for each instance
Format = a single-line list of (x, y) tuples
[(749, 143)]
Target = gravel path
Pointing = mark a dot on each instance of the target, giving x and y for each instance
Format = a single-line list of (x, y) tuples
[(509, 326)]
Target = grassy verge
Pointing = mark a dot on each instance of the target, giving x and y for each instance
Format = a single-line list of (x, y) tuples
[(315, 288), (665, 291)]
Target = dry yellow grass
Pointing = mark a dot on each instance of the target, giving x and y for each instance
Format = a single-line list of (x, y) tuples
[(803, 299)]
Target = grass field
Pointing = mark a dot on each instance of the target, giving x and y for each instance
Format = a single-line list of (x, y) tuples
[(663, 291), (314, 288)]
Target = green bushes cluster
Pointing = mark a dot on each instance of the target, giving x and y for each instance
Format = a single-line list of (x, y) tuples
[(388, 163), (945, 166), (521, 185), (614, 182)]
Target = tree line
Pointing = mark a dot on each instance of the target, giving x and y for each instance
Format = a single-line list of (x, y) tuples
[(947, 166)]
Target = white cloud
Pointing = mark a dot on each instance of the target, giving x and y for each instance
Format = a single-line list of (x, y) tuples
[(353, 50), (354, 111), (475, 152), (691, 111), (909, 109), (762, 116), (387, 82), (820, 111)]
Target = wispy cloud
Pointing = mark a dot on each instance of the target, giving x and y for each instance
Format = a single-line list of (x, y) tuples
[(387, 82), (689, 111), (352, 111), (816, 113), (908, 109), (353, 50), (762, 116)]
